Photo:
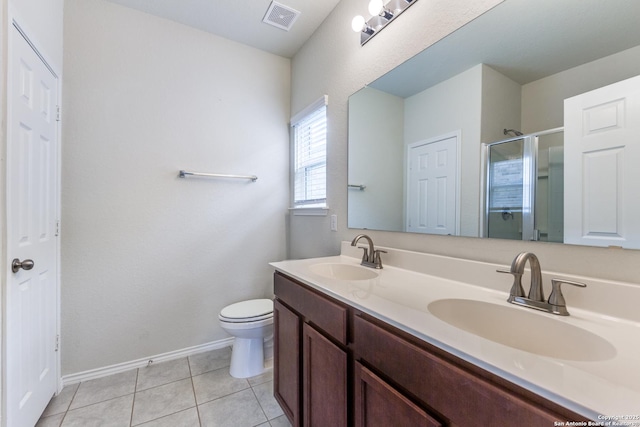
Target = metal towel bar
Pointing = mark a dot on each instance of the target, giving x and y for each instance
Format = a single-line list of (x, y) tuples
[(184, 174)]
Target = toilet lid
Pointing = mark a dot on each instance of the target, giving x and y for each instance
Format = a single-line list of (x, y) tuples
[(248, 309)]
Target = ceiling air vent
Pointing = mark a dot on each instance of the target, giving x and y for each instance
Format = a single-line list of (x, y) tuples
[(280, 16)]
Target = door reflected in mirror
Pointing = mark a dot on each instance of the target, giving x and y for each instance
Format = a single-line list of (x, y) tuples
[(494, 74)]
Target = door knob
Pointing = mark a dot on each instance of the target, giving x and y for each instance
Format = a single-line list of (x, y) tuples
[(16, 265)]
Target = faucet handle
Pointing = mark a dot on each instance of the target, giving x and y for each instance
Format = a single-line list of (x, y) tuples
[(376, 257), (556, 298), (516, 289)]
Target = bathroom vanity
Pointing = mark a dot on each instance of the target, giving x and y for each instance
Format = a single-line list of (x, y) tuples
[(364, 347)]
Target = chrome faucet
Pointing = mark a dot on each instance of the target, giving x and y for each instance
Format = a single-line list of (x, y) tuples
[(536, 292), (556, 303), (371, 256)]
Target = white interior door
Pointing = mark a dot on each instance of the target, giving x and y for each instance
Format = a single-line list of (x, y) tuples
[(602, 177), (32, 181), (432, 199)]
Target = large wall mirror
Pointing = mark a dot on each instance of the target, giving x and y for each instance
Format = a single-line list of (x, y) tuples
[(480, 105)]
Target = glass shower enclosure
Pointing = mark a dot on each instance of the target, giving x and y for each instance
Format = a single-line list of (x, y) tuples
[(524, 182)]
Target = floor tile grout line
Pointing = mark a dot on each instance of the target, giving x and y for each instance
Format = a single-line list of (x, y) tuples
[(102, 401), (72, 397), (69, 405), (260, 405), (163, 384), (193, 388), (133, 403), (223, 396), (64, 415), (164, 416)]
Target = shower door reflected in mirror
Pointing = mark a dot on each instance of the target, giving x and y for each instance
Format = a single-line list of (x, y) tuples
[(524, 188), (508, 212)]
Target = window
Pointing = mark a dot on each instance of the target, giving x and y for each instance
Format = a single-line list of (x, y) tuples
[(310, 156)]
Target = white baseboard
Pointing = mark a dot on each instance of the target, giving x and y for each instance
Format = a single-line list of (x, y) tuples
[(121, 367)]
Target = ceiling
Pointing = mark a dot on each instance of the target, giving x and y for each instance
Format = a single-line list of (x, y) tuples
[(241, 20), (525, 40)]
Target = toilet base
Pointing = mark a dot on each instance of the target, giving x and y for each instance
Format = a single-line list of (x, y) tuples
[(247, 357)]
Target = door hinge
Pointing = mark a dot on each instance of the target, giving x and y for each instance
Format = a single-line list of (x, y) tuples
[(57, 113), (57, 342), (57, 228)]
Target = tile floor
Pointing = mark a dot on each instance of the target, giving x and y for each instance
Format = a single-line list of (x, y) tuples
[(193, 391)]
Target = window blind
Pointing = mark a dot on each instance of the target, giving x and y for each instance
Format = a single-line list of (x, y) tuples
[(310, 158)]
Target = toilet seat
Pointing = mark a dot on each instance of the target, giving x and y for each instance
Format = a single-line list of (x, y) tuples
[(247, 311)]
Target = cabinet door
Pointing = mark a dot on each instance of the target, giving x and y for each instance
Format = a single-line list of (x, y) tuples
[(324, 381), (286, 370), (377, 404)]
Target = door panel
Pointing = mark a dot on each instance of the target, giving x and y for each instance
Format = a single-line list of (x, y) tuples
[(432, 199), (32, 188), (602, 180)]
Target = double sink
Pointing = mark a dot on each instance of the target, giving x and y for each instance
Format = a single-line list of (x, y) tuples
[(510, 326), (587, 362)]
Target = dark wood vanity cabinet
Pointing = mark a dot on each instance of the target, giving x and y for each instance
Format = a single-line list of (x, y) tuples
[(336, 366), (310, 357)]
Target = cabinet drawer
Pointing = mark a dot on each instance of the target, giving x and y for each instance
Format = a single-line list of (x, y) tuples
[(463, 397), (327, 315)]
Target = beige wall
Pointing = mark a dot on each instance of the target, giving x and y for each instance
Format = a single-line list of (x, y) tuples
[(148, 259), (333, 62), (543, 100), (500, 110), (379, 144)]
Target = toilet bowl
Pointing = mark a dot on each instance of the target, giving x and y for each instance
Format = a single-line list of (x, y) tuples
[(250, 322)]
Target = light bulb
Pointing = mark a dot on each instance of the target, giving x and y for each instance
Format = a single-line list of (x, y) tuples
[(375, 7), (358, 23)]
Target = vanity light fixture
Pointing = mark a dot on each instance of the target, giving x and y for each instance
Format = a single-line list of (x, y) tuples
[(381, 15), (376, 7)]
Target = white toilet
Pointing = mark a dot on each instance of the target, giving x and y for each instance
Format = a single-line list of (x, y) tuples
[(250, 322)]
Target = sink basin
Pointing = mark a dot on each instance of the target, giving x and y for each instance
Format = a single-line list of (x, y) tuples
[(529, 331), (343, 271)]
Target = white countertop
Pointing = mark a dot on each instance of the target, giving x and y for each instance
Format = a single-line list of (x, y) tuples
[(400, 296)]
